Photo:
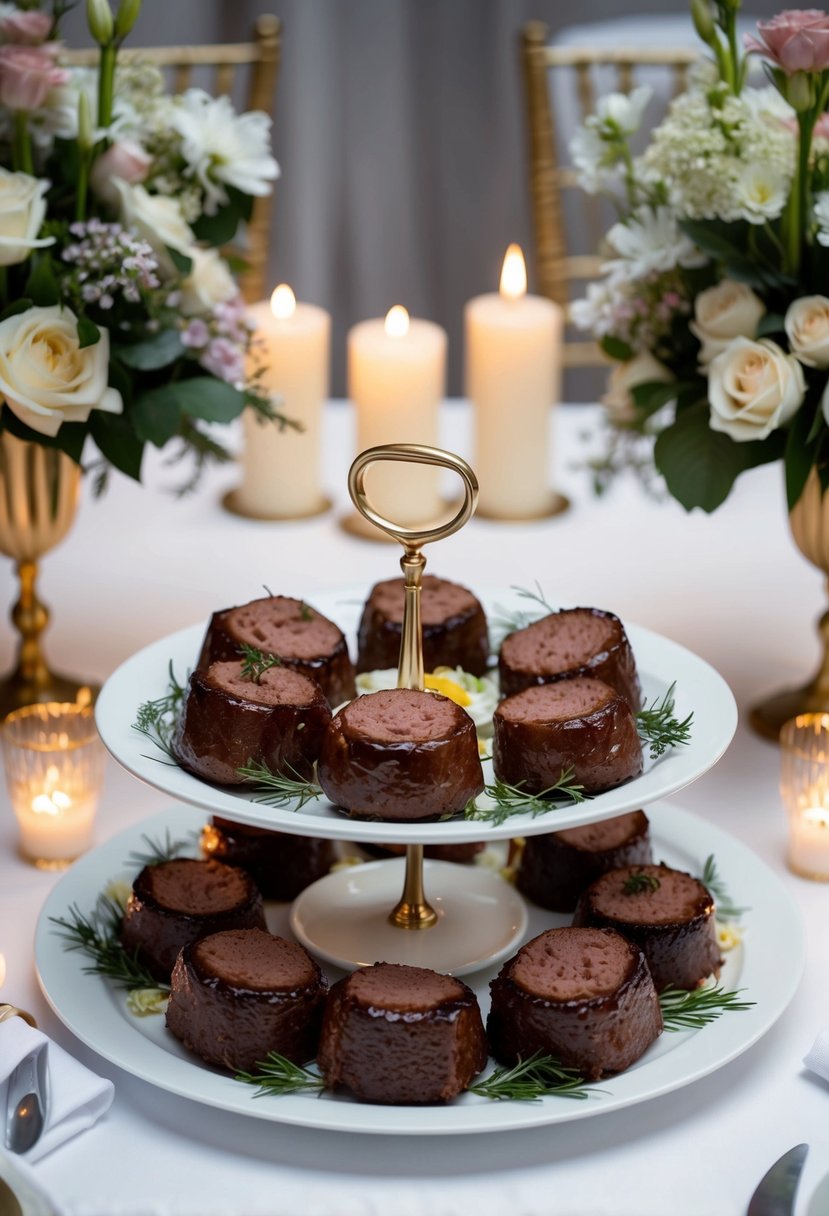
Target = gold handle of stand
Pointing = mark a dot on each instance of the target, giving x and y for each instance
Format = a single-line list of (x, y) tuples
[(413, 912)]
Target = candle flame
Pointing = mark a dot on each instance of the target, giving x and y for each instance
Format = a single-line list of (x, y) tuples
[(817, 816), (51, 804), (513, 274), (283, 302), (397, 322)]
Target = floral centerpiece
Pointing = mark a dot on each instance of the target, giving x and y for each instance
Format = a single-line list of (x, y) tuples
[(120, 320), (712, 301)]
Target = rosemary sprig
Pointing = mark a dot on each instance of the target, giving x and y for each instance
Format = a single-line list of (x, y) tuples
[(530, 1080), (505, 620), (157, 719), (278, 1075), (683, 1010), (513, 800), (724, 908), (157, 851), (636, 883), (255, 663), (658, 727), (285, 789), (97, 936), (305, 612)]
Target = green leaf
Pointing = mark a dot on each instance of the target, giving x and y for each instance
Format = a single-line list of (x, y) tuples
[(201, 397), (158, 351), (155, 419), (88, 332), (220, 228), (615, 348), (42, 284), (117, 441), (800, 454), (69, 439), (651, 395), (182, 263), (16, 308), (771, 323)]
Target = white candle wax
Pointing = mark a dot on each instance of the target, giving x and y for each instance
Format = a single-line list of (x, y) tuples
[(2, 970), (809, 842), (396, 379), (513, 372), (54, 826), (281, 468)]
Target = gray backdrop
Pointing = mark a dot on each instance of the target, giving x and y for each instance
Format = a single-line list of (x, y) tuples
[(400, 131)]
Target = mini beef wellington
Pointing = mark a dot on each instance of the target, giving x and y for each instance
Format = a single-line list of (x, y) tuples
[(230, 720), (574, 642), (237, 995), (584, 996), (580, 724), (176, 902), (668, 914), (279, 864), (557, 866), (400, 1034), (297, 634), (454, 627), (401, 755)]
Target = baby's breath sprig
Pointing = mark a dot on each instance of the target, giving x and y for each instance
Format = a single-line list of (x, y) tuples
[(659, 728), (255, 663), (286, 789), (513, 800)]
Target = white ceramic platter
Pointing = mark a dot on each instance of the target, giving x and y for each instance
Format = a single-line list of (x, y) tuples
[(767, 967), (661, 662)]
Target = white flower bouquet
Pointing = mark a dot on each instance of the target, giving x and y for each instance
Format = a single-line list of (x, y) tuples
[(120, 320), (712, 297)]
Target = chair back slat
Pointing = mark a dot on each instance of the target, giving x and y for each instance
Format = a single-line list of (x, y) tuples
[(224, 79)]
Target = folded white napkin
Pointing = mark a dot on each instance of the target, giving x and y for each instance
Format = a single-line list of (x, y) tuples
[(75, 1097), (818, 1058)]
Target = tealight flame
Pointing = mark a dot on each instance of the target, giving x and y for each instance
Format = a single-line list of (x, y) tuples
[(51, 804), (283, 302), (397, 322), (513, 274), (816, 816)]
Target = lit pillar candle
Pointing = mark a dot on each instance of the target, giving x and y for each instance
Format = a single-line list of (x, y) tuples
[(396, 379), (513, 372), (809, 842), (281, 468)]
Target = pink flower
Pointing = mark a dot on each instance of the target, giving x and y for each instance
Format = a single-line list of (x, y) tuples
[(26, 29), (126, 160), (27, 73), (797, 40)]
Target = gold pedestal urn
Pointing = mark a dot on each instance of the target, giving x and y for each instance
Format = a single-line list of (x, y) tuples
[(39, 491), (809, 522)]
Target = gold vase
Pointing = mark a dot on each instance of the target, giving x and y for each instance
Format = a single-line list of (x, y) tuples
[(809, 522), (39, 492)]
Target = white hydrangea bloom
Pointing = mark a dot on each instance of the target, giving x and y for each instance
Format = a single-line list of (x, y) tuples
[(651, 242)]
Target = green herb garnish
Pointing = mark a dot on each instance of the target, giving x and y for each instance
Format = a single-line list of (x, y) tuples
[(157, 851), (255, 663), (683, 1010), (305, 612), (658, 727), (280, 789), (278, 1075), (505, 620), (157, 719), (536, 1077), (97, 936), (513, 800), (724, 908), (636, 883)]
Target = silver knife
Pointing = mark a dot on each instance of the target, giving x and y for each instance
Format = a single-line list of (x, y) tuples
[(776, 1193), (26, 1101)]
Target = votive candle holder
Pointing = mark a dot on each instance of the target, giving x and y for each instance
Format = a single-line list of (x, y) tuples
[(804, 787), (54, 773)]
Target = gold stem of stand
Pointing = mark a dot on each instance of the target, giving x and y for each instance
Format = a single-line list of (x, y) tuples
[(413, 911)]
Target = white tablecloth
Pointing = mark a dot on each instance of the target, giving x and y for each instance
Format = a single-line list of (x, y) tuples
[(731, 587)]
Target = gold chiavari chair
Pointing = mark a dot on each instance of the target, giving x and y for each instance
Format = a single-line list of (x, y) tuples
[(259, 59), (558, 270)]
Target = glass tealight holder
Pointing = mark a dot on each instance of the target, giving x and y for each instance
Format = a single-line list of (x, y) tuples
[(804, 786), (54, 773)]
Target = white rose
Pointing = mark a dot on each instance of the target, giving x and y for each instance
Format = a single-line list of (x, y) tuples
[(22, 210), (728, 310), (807, 328), (209, 282), (624, 111), (158, 220), (641, 369), (753, 388), (46, 377)]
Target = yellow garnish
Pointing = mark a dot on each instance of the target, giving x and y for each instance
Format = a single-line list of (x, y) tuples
[(119, 892), (449, 689), (144, 1002), (728, 936), (345, 863)]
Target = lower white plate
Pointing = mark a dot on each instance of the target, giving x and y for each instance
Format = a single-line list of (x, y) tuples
[(767, 967)]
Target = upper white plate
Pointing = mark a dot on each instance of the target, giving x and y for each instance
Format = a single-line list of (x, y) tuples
[(144, 677), (767, 967)]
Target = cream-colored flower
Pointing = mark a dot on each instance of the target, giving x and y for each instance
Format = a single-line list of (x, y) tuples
[(22, 211), (158, 220), (762, 191), (209, 282), (753, 388), (641, 369), (45, 376), (807, 328), (723, 312)]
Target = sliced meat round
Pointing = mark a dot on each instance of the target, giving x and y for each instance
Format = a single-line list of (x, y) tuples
[(454, 627), (297, 634), (279, 864), (176, 902), (401, 755), (237, 995), (582, 724), (583, 995), (229, 720), (557, 866), (573, 642), (667, 913), (400, 1034)]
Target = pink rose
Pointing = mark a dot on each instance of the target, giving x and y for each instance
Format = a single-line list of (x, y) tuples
[(126, 160), (797, 40), (26, 29), (27, 73)]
